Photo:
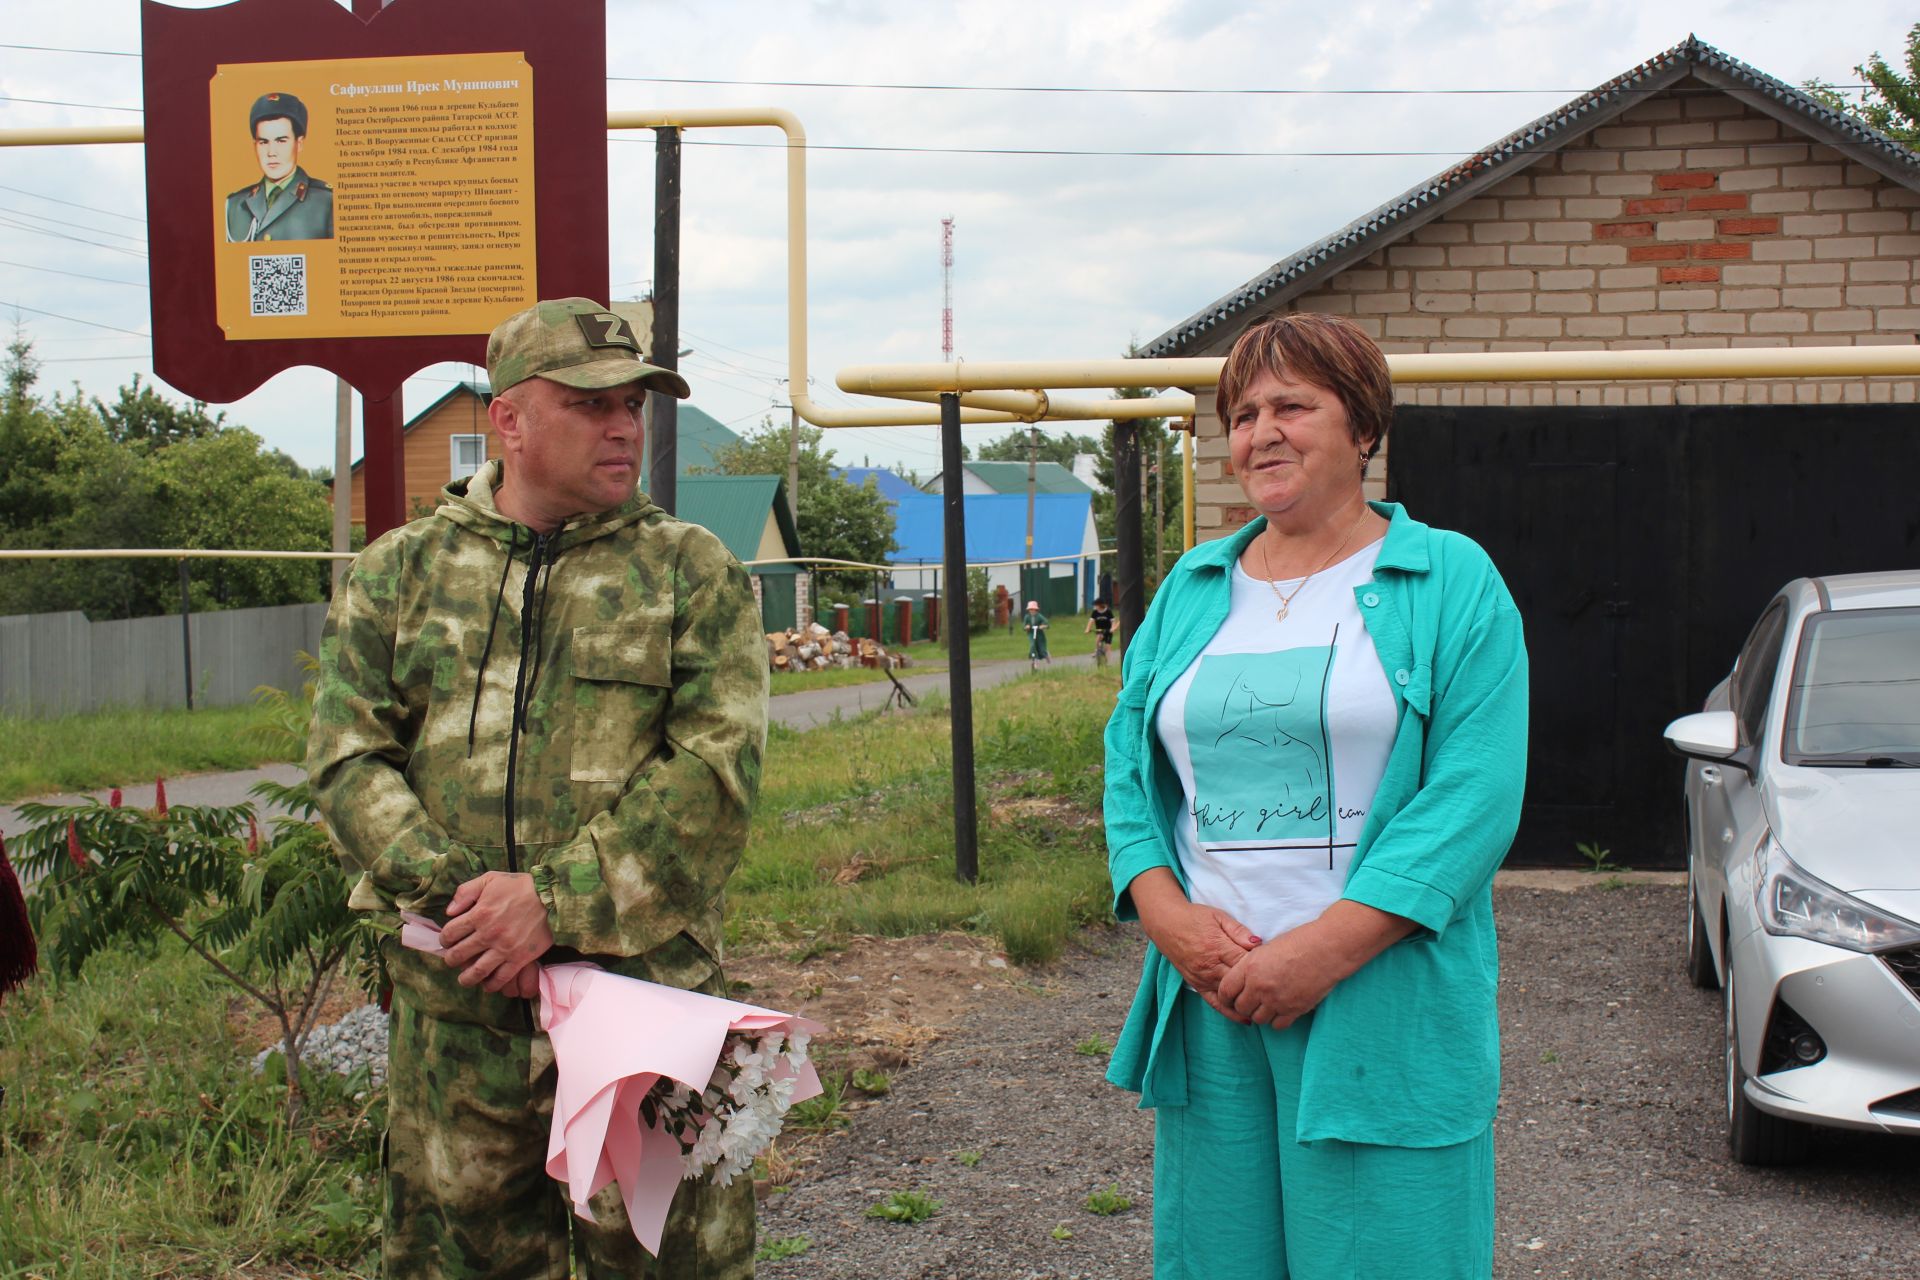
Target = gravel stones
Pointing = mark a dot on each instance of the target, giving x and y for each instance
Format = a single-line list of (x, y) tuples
[(1611, 1146), (357, 1040)]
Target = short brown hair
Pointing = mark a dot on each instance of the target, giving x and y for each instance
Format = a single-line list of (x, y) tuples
[(1328, 352)]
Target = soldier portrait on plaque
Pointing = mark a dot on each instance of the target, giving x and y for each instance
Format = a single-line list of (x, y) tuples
[(287, 203)]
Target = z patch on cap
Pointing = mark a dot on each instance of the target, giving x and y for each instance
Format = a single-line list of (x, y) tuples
[(605, 329)]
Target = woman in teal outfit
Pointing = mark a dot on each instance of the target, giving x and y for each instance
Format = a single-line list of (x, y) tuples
[(1314, 767)]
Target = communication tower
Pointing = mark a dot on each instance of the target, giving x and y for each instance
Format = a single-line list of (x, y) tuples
[(946, 290)]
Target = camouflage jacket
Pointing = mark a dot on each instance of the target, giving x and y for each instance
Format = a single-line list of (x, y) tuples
[(639, 750)]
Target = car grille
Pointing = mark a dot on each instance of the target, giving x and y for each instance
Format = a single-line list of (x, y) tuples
[(1906, 967)]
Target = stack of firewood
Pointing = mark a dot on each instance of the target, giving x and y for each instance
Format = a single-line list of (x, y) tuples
[(814, 648)]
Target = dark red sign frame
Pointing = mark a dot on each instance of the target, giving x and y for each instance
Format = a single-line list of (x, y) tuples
[(564, 42)]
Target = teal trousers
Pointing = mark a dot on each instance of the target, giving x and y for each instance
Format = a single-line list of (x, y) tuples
[(1235, 1195)]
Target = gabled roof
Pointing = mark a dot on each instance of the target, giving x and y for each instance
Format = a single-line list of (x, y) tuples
[(1692, 57), (479, 390), (892, 484), (1011, 477), (698, 440), (996, 527), (735, 509)]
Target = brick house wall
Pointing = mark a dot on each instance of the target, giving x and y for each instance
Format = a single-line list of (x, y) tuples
[(1690, 220)]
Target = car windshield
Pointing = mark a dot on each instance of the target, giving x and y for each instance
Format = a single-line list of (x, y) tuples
[(1856, 690)]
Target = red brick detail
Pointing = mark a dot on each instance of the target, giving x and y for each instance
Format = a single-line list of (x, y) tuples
[(1656, 252), (1621, 230), (1717, 202), (1740, 250), (1689, 275), (1234, 517), (1664, 204), (1749, 226), (1684, 181)]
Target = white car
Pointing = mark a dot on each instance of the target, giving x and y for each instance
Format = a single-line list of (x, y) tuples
[(1803, 863)]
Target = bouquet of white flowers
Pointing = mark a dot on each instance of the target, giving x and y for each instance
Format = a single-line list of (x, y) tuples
[(727, 1125), (627, 1054)]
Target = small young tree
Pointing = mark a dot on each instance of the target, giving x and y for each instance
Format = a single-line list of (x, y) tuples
[(268, 915)]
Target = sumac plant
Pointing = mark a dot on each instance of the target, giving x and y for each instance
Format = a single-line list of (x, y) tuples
[(267, 912)]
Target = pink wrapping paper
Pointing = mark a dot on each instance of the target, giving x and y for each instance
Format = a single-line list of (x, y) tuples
[(613, 1039)]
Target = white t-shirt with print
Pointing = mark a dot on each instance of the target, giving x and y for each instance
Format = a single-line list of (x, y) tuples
[(1280, 732)]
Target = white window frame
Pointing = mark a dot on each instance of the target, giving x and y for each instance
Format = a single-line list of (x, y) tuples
[(453, 445)]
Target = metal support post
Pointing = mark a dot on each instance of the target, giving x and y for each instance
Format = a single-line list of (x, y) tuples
[(1130, 586), (186, 631), (966, 835), (663, 410)]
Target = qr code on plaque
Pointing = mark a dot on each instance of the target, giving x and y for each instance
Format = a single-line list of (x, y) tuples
[(277, 285)]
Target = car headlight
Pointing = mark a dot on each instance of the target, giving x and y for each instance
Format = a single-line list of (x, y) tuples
[(1797, 905)]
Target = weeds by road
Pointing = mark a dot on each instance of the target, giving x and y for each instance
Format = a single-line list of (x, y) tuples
[(128, 745)]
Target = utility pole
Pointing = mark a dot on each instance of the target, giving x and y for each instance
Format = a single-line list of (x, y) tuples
[(663, 410), (1033, 467), (1159, 499), (1129, 586)]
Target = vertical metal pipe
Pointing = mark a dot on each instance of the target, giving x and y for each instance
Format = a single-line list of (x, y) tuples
[(663, 417), (186, 631), (342, 475), (966, 835), (1130, 587)]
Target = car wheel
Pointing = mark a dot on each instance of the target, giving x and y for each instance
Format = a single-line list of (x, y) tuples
[(1699, 951), (1754, 1136)]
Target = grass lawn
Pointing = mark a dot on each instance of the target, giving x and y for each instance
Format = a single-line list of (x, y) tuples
[(136, 1142), (114, 748), (854, 830)]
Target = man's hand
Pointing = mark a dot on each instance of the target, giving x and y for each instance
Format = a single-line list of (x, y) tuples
[(1203, 943), (496, 929), (1283, 980)]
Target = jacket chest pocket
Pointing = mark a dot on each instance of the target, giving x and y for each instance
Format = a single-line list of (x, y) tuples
[(622, 676)]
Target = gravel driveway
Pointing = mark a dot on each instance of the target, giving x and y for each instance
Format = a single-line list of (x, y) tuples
[(1611, 1147)]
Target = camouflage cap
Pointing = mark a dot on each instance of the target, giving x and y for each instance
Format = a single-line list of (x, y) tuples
[(576, 342), (274, 106)]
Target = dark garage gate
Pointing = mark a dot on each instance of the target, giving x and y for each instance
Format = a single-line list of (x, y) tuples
[(1640, 545)]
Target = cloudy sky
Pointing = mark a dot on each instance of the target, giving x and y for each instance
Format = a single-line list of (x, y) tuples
[(1056, 255)]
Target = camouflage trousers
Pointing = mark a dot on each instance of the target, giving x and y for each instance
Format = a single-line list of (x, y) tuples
[(467, 1190)]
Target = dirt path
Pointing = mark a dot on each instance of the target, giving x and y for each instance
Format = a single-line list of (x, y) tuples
[(1611, 1149)]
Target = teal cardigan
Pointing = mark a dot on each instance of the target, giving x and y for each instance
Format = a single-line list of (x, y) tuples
[(1406, 1051)]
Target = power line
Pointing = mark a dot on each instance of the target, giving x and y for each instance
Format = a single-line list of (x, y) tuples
[(114, 248), (1154, 90), (49, 48), (72, 205), (27, 266), (71, 226), (73, 319), (55, 102)]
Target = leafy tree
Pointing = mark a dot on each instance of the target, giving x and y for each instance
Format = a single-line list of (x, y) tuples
[(1062, 449), (141, 415), (1890, 102), (145, 473), (837, 519)]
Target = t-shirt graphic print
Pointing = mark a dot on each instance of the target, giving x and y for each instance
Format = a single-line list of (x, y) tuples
[(1280, 733)]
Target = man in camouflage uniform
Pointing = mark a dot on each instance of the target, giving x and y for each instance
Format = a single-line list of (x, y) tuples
[(540, 715)]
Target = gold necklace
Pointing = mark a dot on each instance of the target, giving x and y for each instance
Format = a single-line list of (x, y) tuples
[(1286, 601)]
